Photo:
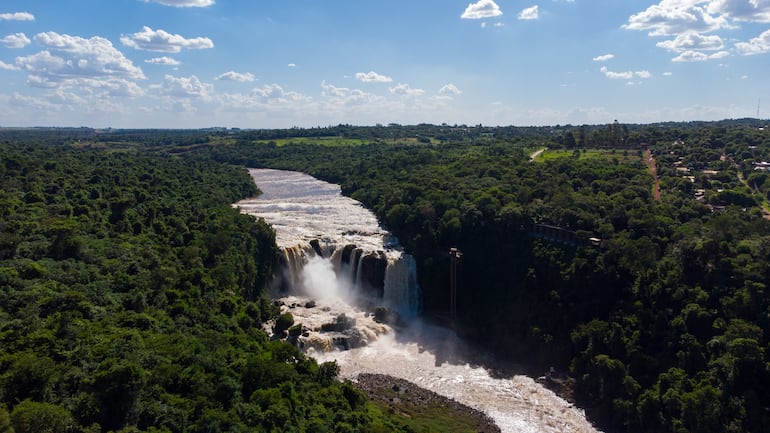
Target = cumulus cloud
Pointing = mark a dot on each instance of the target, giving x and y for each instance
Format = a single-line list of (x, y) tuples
[(696, 24), (672, 17), (530, 13), (405, 90), (184, 87), (165, 60), (17, 16), (18, 40), (604, 57), (758, 45), (481, 9), (292, 65), (237, 76), (345, 97), (275, 94), (449, 89), (372, 77), (627, 75), (643, 74), (691, 41), (91, 65), (183, 3), (6, 67), (742, 10), (697, 56), (265, 99), (164, 42)]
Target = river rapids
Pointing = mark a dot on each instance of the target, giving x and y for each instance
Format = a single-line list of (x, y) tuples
[(339, 264)]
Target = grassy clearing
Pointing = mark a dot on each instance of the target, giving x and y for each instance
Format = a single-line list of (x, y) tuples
[(622, 155), (323, 141)]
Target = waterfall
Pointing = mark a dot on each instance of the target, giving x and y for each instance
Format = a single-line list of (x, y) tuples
[(388, 278), (334, 250), (331, 244), (401, 289)]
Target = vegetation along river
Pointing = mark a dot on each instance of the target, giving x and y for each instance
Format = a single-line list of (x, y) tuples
[(340, 265)]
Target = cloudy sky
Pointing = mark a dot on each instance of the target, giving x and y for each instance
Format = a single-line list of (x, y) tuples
[(269, 63)]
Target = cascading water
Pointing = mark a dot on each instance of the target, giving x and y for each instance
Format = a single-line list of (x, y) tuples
[(332, 245), (335, 252)]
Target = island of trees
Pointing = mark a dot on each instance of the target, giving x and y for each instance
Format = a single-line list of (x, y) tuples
[(635, 258)]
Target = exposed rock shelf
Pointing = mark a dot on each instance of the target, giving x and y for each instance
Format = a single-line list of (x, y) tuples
[(406, 398)]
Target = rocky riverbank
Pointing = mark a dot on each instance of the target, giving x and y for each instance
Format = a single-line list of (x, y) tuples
[(411, 402)]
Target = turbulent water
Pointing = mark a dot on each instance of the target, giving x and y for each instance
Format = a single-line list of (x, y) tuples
[(337, 255)]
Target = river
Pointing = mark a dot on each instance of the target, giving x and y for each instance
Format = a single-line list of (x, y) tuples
[(353, 258)]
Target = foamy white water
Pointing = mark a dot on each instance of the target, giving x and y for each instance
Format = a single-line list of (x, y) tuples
[(303, 209)]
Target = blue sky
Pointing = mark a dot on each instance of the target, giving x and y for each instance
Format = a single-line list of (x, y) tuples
[(275, 64)]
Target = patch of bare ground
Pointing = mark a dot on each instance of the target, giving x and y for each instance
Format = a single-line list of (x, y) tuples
[(650, 161), (411, 402)]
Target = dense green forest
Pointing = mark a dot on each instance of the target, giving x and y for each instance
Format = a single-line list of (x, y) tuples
[(128, 236), (132, 298), (661, 325)]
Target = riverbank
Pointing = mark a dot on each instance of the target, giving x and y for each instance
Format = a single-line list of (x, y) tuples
[(420, 408)]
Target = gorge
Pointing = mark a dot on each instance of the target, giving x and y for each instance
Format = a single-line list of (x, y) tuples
[(340, 265)]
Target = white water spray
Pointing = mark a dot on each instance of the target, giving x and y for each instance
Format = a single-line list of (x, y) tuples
[(334, 251), (319, 281)]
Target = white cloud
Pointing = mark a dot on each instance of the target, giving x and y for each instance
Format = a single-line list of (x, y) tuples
[(183, 3), (345, 97), (17, 16), (7, 67), (616, 75), (184, 87), (246, 77), (643, 74), (332, 90), (18, 40), (92, 65), (530, 13), (695, 24), (405, 90), (758, 45), (38, 104), (481, 9), (626, 75), (672, 17), (292, 65), (742, 10), (372, 77), (604, 57), (691, 41), (449, 89), (697, 56), (164, 42), (273, 93), (668, 74), (270, 99), (165, 60)]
